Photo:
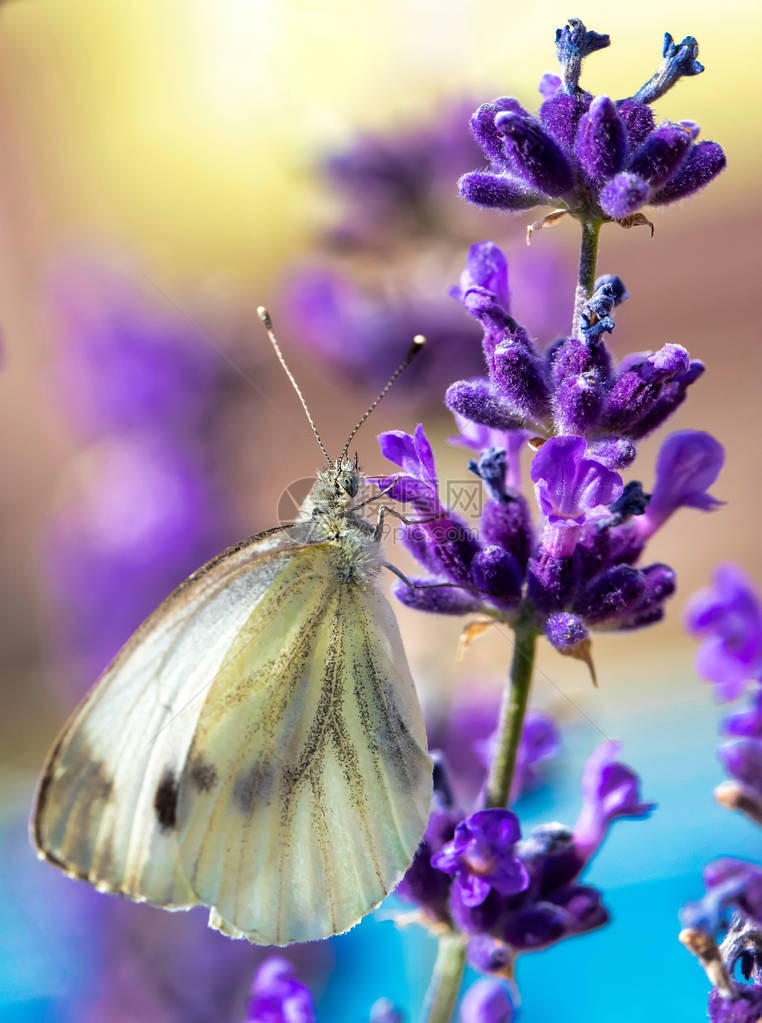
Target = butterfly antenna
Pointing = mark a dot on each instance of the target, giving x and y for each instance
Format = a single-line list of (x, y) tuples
[(417, 344), (264, 316)]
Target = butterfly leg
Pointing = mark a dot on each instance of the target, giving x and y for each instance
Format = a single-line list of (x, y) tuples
[(387, 509)]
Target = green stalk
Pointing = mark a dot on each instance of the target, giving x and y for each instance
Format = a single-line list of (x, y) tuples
[(588, 257), (512, 711), (446, 979)]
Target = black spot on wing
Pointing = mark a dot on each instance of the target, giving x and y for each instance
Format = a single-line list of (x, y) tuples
[(202, 774), (255, 784), (165, 800)]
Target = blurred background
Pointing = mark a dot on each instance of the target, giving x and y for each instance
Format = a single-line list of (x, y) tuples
[(165, 169)]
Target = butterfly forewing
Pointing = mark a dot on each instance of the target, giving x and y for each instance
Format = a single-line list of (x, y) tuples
[(257, 748)]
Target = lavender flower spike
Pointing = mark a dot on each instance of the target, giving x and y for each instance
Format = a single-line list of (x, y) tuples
[(728, 616), (586, 155), (278, 997), (572, 490), (688, 463), (609, 790)]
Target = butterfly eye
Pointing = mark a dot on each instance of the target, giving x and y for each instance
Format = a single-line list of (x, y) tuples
[(348, 482)]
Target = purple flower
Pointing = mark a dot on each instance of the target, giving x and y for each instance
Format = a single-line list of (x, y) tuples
[(728, 617), (486, 1001), (594, 158), (572, 490), (417, 484), (688, 463), (609, 790), (745, 1007), (278, 997), (480, 857)]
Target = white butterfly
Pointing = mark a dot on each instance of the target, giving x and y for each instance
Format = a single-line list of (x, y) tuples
[(257, 747)]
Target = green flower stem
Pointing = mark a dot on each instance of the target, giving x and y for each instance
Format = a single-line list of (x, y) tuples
[(588, 257), (446, 979), (512, 711)]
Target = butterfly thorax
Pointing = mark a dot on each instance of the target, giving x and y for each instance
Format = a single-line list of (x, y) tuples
[(326, 512)]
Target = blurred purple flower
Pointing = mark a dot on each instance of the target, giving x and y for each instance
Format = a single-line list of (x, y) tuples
[(277, 996), (124, 362), (728, 617), (480, 858), (731, 885), (486, 1001), (384, 1011), (609, 790), (136, 517), (540, 742), (687, 465)]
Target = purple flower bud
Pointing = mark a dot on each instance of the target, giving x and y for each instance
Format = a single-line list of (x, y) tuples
[(662, 406), (278, 997), (704, 162), (551, 580), (551, 858), (535, 926), (573, 43), (488, 954), (478, 401), (480, 857), (729, 616), (613, 452), (442, 600), (486, 1001), (487, 135), (678, 61), (578, 403), (638, 120), (518, 377), (688, 463), (609, 790), (508, 524), (560, 116), (613, 594), (624, 194), (497, 573), (565, 631), (486, 271), (497, 192), (662, 153), (538, 159), (601, 143), (573, 357)]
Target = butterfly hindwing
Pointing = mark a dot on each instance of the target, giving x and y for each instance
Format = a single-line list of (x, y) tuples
[(257, 748)]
